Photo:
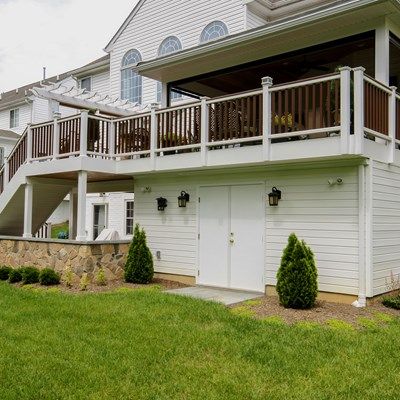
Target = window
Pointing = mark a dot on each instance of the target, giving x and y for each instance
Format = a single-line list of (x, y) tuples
[(130, 205), (86, 83), (168, 46), (14, 118), (213, 31), (131, 81)]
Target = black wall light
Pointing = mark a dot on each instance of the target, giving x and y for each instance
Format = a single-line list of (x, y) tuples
[(274, 197), (183, 199), (161, 203)]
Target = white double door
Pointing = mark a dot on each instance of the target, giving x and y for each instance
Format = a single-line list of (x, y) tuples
[(232, 237)]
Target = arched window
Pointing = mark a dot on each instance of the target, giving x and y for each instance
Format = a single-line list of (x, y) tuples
[(131, 81), (213, 31), (169, 45)]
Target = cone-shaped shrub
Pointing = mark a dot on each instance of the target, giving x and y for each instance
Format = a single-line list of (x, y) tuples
[(4, 273), (297, 285), (139, 266)]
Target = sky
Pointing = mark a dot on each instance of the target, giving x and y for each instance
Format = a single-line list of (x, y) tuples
[(58, 34)]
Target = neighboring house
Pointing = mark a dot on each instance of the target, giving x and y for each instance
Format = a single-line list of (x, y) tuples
[(8, 139), (293, 126)]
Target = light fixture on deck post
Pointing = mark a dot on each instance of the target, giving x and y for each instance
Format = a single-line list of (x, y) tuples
[(161, 203), (274, 197), (183, 199)]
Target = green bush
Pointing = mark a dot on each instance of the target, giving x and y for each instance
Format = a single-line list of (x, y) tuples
[(101, 278), (49, 277), (15, 276), (4, 273), (30, 275), (297, 285), (392, 302), (139, 266)]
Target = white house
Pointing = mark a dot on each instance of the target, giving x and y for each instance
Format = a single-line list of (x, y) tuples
[(293, 126)]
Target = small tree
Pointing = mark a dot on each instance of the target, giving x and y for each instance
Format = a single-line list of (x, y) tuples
[(297, 285), (139, 265)]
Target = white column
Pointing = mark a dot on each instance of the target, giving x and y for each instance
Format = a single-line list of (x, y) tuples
[(28, 206), (204, 130), (73, 197), (153, 135), (382, 53), (29, 144), (345, 112), (392, 125), (164, 95), (266, 82), (111, 140), (359, 110), (56, 133), (84, 133), (54, 108), (81, 220)]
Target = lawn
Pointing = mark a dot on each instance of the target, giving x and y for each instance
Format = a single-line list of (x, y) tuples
[(145, 344), (56, 229)]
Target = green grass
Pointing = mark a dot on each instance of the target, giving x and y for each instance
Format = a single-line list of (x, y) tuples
[(56, 229), (145, 344)]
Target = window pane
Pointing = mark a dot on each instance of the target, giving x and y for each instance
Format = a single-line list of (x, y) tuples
[(129, 217), (214, 31), (86, 83)]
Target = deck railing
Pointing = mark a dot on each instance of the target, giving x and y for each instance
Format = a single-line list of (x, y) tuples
[(343, 104)]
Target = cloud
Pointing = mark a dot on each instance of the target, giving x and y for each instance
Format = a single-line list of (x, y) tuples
[(58, 34)]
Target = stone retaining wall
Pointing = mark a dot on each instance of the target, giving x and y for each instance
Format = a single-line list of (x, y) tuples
[(79, 256)]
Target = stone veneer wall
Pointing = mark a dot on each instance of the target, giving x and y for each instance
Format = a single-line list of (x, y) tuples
[(81, 257)]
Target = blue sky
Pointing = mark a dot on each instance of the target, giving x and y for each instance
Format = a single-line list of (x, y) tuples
[(58, 34)]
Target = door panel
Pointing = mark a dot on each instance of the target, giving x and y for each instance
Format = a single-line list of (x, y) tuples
[(214, 230), (247, 228)]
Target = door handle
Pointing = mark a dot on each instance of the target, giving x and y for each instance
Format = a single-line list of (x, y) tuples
[(232, 239)]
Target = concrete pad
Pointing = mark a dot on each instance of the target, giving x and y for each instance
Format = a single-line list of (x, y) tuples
[(224, 296)]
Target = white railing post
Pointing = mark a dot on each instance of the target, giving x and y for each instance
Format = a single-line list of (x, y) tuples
[(153, 134), (112, 139), (6, 173), (392, 125), (359, 109), (267, 82), (345, 108), (84, 133), (29, 144), (204, 130), (56, 133)]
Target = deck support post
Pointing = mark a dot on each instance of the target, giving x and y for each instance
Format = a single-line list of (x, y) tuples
[(164, 95), (111, 140), (359, 109), (392, 125), (204, 130), (84, 133), (266, 82), (345, 108), (29, 144), (81, 206), (28, 207), (73, 200), (153, 134), (56, 138)]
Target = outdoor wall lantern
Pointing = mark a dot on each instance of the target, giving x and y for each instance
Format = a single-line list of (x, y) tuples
[(161, 203), (274, 197), (183, 199)]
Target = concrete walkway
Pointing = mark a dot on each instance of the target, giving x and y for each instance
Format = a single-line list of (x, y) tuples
[(224, 296)]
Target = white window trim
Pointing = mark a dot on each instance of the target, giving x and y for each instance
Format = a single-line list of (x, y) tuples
[(91, 82), (133, 67), (126, 217), (18, 121)]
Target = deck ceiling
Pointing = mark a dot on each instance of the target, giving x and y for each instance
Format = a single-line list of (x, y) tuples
[(281, 37)]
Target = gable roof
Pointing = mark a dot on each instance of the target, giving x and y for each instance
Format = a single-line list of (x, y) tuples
[(124, 25), (4, 133)]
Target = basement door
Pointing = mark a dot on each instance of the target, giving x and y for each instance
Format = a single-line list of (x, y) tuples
[(231, 249)]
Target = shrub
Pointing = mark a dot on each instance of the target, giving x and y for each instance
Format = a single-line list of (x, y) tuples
[(68, 276), (15, 276), (139, 266), (392, 302), (297, 285), (101, 279), (4, 273), (63, 235), (84, 282), (30, 275), (49, 277)]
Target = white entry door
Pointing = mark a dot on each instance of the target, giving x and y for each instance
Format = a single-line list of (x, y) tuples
[(231, 237)]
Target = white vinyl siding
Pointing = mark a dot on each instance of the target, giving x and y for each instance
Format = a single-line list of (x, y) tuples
[(253, 20), (24, 118), (157, 20), (101, 82), (325, 217), (386, 225)]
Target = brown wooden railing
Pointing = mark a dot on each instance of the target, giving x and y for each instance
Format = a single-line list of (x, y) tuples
[(179, 126), (305, 107), (376, 107), (2, 176), (133, 134), (70, 133), (236, 118), (42, 140), (18, 156), (98, 135)]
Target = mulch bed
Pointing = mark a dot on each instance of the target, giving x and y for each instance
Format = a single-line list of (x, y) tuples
[(323, 312)]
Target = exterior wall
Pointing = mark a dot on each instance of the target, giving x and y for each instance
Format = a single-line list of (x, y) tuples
[(156, 20), (101, 82), (61, 214), (253, 20), (116, 203), (8, 145), (385, 225), (25, 117), (326, 217)]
